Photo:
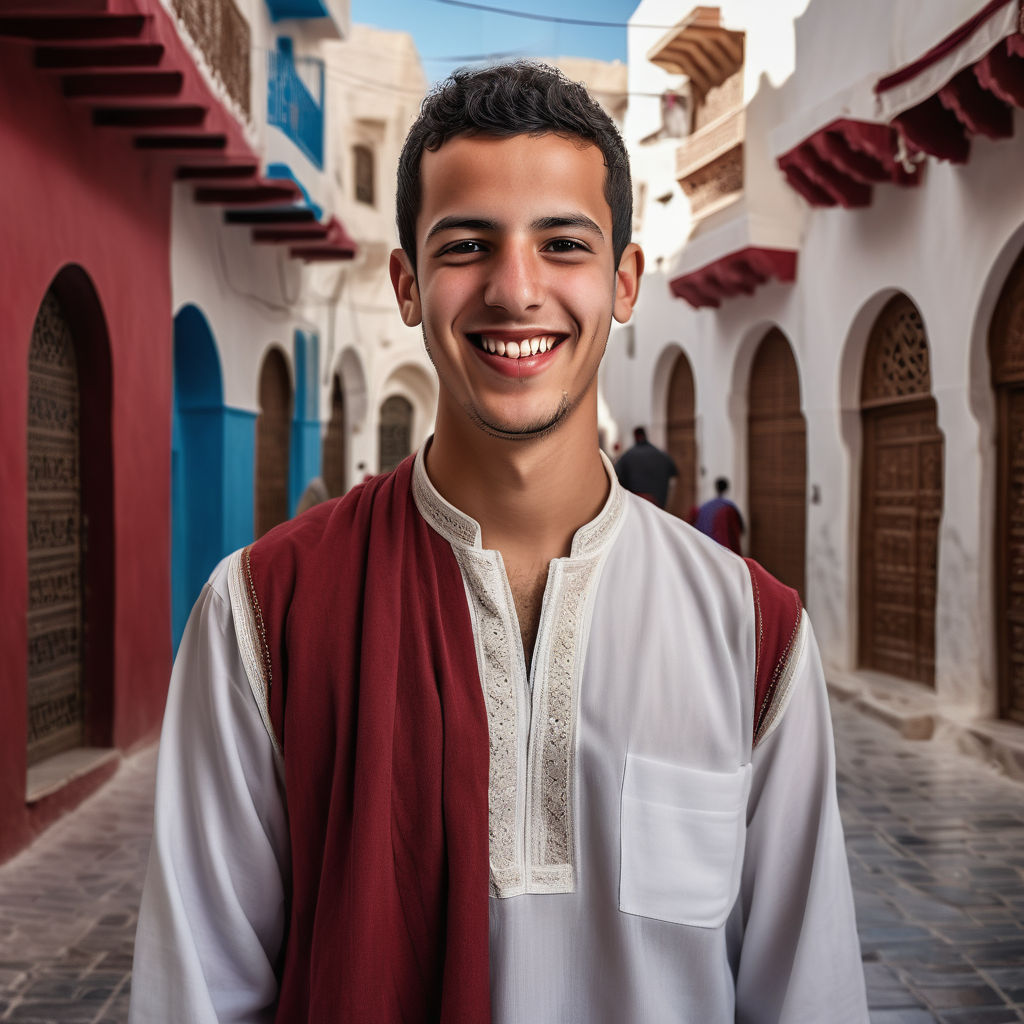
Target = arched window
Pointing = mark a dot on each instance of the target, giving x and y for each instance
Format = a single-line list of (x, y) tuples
[(395, 432), (901, 498), (1006, 352), (364, 174), (777, 462)]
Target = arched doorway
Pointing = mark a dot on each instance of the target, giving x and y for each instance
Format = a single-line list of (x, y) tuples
[(395, 432), (334, 442), (197, 463), (681, 436), (1006, 352), (777, 462), (273, 439), (56, 716), (901, 498)]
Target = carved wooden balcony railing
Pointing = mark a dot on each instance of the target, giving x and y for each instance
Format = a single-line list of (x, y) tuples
[(222, 34)]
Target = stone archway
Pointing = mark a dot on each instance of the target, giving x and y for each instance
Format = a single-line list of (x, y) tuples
[(901, 498), (1006, 352), (681, 436), (273, 442), (777, 462)]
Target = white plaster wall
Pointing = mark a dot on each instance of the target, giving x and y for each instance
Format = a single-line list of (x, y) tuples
[(948, 244)]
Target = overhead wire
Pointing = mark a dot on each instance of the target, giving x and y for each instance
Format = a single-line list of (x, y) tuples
[(552, 18)]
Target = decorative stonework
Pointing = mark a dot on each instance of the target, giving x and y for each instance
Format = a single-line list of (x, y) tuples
[(722, 100), (896, 364)]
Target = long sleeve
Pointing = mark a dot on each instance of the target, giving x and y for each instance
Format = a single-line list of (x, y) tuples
[(799, 962), (213, 907)]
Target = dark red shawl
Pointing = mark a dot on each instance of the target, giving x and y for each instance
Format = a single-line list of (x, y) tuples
[(376, 699)]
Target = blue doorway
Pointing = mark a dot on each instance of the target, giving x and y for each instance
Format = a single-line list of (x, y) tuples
[(197, 463)]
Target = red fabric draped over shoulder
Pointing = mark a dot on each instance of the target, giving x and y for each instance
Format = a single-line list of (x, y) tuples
[(777, 613), (376, 700)]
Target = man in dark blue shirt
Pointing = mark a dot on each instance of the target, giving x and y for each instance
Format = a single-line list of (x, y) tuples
[(646, 470)]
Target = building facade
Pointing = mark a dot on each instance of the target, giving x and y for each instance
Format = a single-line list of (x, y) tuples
[(146, 144), (832, 318)]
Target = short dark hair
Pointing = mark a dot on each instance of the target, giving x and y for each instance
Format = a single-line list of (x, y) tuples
[(639, 435), (505, 100), (722, 484)]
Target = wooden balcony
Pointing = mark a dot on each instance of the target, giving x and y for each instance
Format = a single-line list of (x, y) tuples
[(223, 37), (709, 164), (701, 48)]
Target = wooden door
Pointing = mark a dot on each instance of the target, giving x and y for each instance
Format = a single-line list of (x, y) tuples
[(55, 541), (901, 498), (395, 432), (273, 441), (1006, 350), (777, 462), (682, 436), (334, 443)]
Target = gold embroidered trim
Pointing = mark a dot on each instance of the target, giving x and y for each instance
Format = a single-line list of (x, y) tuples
[(251, 636), (783, 688)]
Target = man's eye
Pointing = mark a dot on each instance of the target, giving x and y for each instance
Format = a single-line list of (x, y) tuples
[(566, 245), (464, 248)]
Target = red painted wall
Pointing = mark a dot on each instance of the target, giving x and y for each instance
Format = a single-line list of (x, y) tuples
[(74, 194)]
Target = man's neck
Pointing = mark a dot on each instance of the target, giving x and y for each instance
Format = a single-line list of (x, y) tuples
[(527, 495)]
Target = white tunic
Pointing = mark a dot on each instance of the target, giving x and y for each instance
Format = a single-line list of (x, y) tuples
[(646, 865)]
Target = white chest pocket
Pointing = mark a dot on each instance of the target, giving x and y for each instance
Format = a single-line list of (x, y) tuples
[(682, 835)]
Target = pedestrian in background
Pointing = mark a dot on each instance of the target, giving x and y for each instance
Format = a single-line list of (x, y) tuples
[(720, 519), (646, 470)]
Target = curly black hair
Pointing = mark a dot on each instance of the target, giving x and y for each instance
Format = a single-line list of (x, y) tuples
[(518, 98)]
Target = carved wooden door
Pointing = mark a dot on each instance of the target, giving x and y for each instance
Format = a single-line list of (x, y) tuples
[(1006, 349), (777, 454), (273, 440), (55, 604), (395, 432), (901, 498), (334, 443), (681, 431)]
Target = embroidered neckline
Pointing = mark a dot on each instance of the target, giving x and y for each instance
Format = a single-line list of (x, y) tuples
[(463, 531), (531, 727)]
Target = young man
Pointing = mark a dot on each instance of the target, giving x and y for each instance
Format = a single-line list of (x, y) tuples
[(490, 738)]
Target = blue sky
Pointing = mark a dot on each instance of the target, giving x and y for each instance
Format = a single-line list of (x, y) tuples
[(445, 31)]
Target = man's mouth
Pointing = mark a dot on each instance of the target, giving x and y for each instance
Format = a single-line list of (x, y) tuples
[(516, 349)]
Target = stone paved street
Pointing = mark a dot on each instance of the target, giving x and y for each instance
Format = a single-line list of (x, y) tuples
[(936, 847)]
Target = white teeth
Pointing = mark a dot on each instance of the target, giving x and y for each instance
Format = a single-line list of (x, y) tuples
[(512, 349), (534, 346), (500, 347), (518, 349), (542, 345)]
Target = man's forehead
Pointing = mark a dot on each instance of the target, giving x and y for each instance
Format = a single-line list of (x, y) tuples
[(519, 171)]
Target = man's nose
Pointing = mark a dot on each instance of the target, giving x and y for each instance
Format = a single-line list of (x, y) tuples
[(516, 282)]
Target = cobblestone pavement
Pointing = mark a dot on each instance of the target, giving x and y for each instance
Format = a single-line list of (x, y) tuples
[(936, 845)]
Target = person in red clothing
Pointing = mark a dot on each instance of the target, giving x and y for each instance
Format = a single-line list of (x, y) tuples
[(720, 519)]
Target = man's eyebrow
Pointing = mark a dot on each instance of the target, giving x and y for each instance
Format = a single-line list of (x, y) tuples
[(569, 220), (463, 223)]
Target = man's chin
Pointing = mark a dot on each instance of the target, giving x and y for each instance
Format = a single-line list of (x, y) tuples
[(523, 429)]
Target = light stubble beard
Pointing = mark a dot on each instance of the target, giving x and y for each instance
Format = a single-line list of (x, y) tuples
[(533, 432)]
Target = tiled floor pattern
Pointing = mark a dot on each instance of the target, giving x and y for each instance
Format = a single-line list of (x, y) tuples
[(936, 846)]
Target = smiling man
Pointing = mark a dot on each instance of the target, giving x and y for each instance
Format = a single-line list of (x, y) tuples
[(490, 738)]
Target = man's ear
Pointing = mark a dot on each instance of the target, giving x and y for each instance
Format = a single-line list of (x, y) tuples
[(627, 282), (407, 292)]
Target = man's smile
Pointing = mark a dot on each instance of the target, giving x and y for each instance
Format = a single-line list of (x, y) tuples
[(517, 344)]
